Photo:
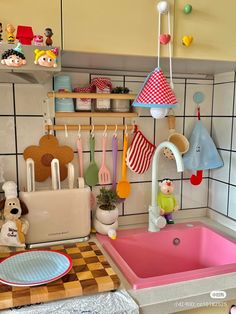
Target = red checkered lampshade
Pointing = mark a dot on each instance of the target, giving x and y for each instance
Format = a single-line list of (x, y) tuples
[(156, 92)]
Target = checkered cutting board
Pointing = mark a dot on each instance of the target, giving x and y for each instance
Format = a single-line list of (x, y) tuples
[(91, 273)]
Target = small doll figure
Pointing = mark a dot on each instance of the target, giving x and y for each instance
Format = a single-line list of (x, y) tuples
[(1, 32), (48, 33), (46, 58), (14, 57), (13, 227), (166, 200), (10, 29), (38, 40)]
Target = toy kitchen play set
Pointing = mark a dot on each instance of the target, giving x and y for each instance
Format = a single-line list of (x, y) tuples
[(98, 146)]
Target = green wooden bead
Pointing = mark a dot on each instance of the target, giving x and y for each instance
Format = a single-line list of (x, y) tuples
[(188, 8)]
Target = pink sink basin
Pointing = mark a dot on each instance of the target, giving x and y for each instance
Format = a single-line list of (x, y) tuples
[(178, 252)]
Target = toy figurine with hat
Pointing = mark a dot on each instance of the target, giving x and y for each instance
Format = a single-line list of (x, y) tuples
[(166, 200), (14, 57), (46, 58), (13, 227)]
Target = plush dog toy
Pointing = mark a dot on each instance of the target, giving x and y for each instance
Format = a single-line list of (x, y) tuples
[(13, 227)]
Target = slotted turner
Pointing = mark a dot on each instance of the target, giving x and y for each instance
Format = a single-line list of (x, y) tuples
[(104, 176), (91, 174)]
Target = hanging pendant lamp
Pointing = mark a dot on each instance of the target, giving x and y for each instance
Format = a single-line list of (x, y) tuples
[(156, 93)]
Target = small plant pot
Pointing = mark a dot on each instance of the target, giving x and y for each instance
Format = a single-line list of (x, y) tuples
[(120, 105), (103, 228), (107, 216)]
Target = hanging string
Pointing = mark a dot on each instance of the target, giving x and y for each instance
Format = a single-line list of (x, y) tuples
[(169, 46), (170, 57), (159, 34), (198, 113)]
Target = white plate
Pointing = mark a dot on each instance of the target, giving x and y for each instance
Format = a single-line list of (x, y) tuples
[(32, 268)]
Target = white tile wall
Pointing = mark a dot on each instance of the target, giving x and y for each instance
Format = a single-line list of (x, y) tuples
[(233, 169), (232, 202), (222, 193), (222, 173), (8, 163), (138, 205), (234, 135), (224, 77), (7, 135), (6, 97), (221, 132), (28, 101), (29, 131), (223, 99), (218, 196), (194, 195), (29, 98)]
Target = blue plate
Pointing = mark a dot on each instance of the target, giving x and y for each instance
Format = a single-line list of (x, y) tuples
[(32, 268)]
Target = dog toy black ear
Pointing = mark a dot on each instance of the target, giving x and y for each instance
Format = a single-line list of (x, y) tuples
[(2, 204), (24, 208)]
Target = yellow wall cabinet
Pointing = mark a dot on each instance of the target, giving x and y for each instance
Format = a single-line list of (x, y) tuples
[(37, 14), (126, 27), (212, 24), (129, 27)]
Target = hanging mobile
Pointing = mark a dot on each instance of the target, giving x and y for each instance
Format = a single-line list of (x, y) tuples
[(156, 93)]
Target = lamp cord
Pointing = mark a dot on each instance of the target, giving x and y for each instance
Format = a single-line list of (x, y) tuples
[(169, 47)]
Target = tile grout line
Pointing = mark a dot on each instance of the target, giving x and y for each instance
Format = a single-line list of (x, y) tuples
[(231, 146), (123, 203), (212, 109), (15, 132), (231, 218), (182, 175)]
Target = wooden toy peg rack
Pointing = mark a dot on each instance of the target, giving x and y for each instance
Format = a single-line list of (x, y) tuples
[(70, 127)]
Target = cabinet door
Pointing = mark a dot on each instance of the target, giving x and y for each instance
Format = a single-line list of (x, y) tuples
[(106, 26), (212, 25), (37, 14)]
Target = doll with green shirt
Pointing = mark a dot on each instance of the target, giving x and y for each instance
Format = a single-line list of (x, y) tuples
[(166, 200)]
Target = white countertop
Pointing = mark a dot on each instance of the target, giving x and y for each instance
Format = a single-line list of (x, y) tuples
[(183, 295)]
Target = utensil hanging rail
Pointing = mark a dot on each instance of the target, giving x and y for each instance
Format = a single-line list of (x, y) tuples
[(70, 127), (90, 95)]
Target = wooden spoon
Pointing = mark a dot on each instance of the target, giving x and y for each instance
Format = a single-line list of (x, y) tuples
[(91, 174), (123, 188)]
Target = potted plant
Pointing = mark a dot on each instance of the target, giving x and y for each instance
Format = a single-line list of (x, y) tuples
[(105, 220), (120, 105)]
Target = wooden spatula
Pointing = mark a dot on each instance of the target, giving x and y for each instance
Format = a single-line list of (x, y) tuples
[(91, 174), (123, 188)]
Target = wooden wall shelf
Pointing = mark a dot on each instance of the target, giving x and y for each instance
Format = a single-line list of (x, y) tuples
[(91, 95), (129, 115)]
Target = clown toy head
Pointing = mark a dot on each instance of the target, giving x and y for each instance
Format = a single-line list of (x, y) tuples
[(14, 57), (46, 58)]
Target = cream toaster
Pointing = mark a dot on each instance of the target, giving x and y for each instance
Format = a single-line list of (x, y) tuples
[(57, 215)]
